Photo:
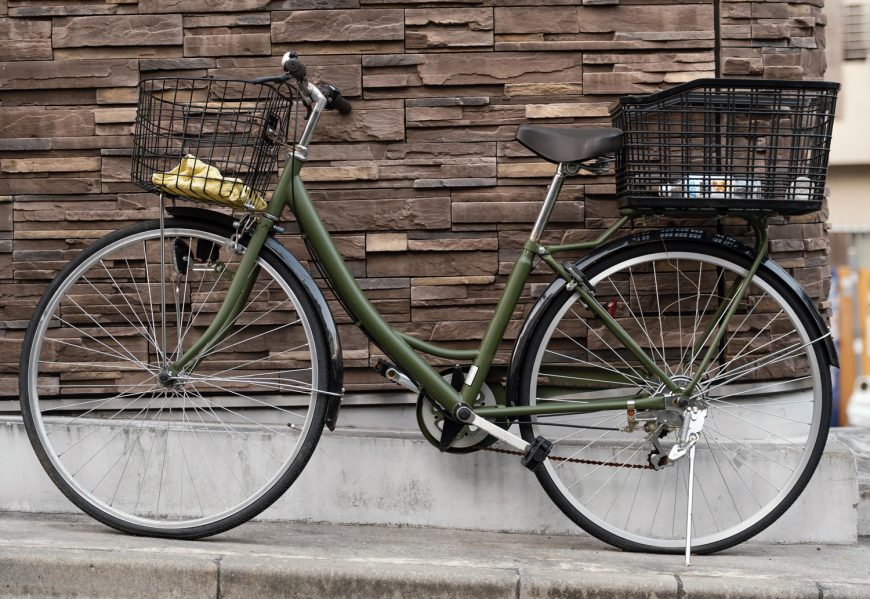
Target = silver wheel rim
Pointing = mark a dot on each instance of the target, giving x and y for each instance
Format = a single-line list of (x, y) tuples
[(770, 505), (41, 423)]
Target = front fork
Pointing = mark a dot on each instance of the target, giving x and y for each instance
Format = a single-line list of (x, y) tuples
[(242, 282)]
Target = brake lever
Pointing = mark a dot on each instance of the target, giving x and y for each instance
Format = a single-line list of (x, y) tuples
[(305, 98)]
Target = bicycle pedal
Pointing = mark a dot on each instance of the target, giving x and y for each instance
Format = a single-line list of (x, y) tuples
[(536, 453), (382, 367), (393, 374)]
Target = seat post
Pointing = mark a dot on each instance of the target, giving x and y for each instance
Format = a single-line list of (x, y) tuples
[(564, 169)]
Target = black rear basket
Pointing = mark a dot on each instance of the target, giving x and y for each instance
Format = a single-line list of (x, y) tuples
[(726, 144)]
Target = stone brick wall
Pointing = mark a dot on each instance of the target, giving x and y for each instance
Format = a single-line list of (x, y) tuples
[(427, 193)]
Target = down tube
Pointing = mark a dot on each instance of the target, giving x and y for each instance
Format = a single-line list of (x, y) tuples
[(359, 305)]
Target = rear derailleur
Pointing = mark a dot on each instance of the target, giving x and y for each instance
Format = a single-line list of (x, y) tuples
[(660, 423)]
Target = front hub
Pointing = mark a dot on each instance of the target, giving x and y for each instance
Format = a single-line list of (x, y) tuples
[(168, 380)]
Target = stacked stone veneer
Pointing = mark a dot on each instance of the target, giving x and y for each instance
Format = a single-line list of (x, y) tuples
[(427, 192)]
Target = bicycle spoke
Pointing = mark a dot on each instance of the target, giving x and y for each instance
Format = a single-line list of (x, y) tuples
[(140, 327)]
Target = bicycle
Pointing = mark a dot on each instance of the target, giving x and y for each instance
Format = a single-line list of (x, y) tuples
[(177, 375)]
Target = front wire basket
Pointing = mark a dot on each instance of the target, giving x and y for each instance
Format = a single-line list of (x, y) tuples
[(212, 140), (726, 144)]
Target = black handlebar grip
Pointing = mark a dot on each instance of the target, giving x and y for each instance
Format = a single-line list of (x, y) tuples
[(334, 100), (343, 106), (296, 69)]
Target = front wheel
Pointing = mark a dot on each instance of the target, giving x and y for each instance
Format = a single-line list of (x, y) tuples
[(767, 392), (152, 453)]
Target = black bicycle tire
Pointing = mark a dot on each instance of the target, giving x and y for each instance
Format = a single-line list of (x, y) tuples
[(622, 254), (232, 520)]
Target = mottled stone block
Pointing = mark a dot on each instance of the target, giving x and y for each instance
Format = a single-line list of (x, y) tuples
[(574, 110), (603, 19), (116, 30), (625, 82), (653, 62), (28, 49), (62, 74), (803, 42), (386, 242), (421, 264), (794, 73), (21, 30), (331, 25), (248, 19), (375, 121), (340, 173), (38, 122), (52, 185), (770, 31), (175, 64), (742, 66), (390, 214), (544, 89), (537, 19), (514, 212), (479, 68), (49, 165), (453, 183), (239, 44), (68, 10), (197, 6), (736, 10), (455, 28)]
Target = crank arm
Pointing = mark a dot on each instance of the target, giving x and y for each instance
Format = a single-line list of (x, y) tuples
[(497, 432)]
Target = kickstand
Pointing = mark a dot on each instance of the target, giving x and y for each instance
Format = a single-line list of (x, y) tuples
[(689, 506)]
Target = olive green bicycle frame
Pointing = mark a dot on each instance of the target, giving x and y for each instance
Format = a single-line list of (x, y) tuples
[(403, 349)]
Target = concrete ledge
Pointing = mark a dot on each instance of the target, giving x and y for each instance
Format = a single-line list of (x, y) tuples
[(857, 439), (397, 478)]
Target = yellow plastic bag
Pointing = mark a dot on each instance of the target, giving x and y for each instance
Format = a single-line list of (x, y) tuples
[(196, 180)]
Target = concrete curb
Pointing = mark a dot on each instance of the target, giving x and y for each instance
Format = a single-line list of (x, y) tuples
[(122, 574), (62, 556)]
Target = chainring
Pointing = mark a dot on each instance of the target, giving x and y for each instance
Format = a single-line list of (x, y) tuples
[(430, 419)]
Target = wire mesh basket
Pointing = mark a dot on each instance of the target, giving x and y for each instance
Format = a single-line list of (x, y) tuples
[(726, 144), (212, 140)]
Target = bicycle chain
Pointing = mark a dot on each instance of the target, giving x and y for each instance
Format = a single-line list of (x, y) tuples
[(574, 460)]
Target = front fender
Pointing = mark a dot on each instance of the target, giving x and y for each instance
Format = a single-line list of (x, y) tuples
[(324, 315), (740, 252)]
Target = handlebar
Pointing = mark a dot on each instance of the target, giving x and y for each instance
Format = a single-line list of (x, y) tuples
[(296, 70), (316, 97), (272, 79)]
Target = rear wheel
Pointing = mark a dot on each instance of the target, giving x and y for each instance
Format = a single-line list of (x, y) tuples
[(767, 393), (176, 456)]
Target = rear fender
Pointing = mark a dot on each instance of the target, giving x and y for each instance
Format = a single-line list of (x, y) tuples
[(730, 245)]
